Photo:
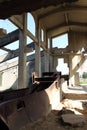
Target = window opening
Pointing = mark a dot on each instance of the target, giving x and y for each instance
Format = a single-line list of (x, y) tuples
[(63, 67), (42, 35), (31, 23), (60, 41)]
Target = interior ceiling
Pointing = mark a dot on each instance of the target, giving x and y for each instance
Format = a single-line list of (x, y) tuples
[(11, 7), (64, 17), (56, 16)]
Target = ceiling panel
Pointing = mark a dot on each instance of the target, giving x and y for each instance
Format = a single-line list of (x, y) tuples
[(15, 7), (52, 21), (78, 17), (53, 15)]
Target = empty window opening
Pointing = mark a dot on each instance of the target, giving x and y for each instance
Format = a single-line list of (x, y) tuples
[(83, 73), (48, 43), (29, 40), (63, 67), (60, 41), (31, 23), (9, 27), (31, 28), (42, 35), (13, 46)]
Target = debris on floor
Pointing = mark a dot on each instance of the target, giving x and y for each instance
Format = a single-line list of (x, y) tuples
[(73, 120), (64, 119)]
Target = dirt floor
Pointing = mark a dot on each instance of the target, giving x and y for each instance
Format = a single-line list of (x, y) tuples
[(54, 120)]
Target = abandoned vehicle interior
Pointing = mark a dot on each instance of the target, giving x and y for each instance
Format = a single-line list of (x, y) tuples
[(43, 64)]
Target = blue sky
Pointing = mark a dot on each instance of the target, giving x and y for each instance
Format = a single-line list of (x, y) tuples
[(6, 24), (61, 41), (9, 26)]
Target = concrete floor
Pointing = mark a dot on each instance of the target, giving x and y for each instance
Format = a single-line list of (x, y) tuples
[(75, 92)]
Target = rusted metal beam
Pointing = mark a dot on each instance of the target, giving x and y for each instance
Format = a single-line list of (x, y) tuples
[(13, 54), (6, 49), (9, 38)]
